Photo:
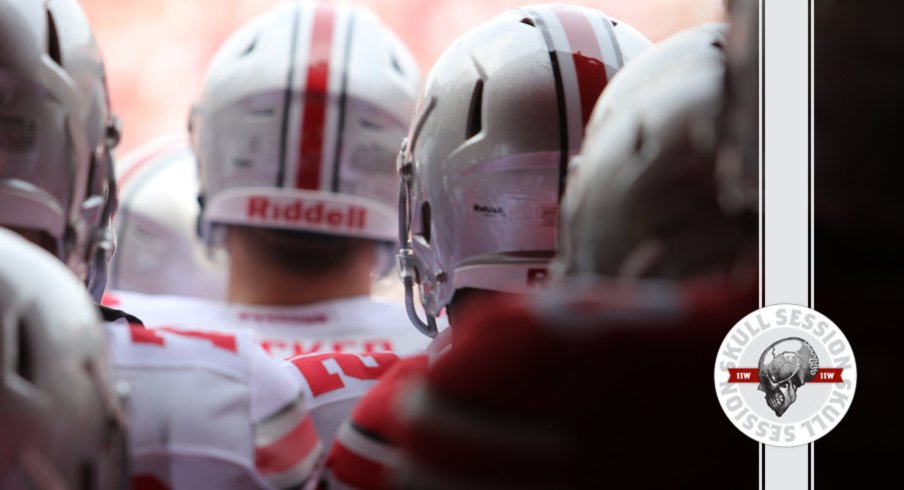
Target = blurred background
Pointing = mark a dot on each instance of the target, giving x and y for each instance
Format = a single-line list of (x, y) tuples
[(157, 51)]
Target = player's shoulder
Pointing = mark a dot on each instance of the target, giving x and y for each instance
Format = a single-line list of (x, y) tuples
[(172, 347), (154, 309), (187, 352)]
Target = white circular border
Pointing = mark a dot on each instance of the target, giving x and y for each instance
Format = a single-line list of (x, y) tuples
[(802, 438)]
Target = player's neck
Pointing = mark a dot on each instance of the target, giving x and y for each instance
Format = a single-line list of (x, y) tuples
[(254, 283)]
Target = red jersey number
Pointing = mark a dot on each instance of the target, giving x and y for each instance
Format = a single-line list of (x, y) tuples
[(314, 368), (150, 336)]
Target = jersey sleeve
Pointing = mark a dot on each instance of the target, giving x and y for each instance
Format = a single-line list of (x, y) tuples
[(286, 444), (365, 452)]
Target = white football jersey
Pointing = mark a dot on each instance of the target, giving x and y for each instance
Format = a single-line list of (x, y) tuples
[(356, 325), (211, 410)]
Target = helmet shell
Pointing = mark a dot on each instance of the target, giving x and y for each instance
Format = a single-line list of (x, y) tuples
[(502, 111), (300, 120)]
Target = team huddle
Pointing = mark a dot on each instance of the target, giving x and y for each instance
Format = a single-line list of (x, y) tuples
[(554, 192)]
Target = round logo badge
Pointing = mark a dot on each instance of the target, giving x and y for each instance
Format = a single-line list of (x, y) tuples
[(785, 375)]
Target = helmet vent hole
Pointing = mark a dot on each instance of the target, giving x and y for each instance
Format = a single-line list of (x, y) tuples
[(367, 123), (614, 23), (53, 41), (250, 47), (638, 142), (24, 367), (264, 112), (718, 45), (475, 113), (528, 21), (394, 61), (425, 221)]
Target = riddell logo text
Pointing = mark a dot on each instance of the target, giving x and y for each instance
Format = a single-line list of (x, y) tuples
[(299, 211)]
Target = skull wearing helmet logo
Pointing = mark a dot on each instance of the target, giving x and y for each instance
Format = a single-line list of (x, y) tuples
[(784, 367)]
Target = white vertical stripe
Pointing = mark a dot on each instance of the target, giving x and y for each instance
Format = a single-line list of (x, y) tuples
[(607, 40), (334, 84), (786, 199), (568, 74)]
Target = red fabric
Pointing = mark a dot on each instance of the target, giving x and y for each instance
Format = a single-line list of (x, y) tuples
[(147, 482), (145, 336), (356, 471), (376, 411), (141, 335), (587, 375), (289, 450), (108, 299), (321, 381)]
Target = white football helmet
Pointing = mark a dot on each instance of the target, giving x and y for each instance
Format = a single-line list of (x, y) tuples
[(503, 110), (158, 250), (300, 120), (62, 419), (56, 134), (644, 200)]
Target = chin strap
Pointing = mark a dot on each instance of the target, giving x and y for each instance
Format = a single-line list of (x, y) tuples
[(405, 257), (102, 243), (102, 248), (406, 274)]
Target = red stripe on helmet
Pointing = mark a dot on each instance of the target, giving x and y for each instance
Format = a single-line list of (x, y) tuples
[(588, 59), (316, 98)]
